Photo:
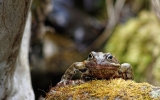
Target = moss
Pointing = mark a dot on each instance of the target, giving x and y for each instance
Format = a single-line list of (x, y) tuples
[(103, 89)]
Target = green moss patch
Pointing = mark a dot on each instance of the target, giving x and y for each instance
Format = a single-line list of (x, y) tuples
[(102, 89)]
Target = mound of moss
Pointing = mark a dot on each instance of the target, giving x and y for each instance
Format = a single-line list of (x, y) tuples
[(118, 89)]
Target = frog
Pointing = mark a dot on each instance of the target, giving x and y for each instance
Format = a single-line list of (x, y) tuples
[(99, 65)]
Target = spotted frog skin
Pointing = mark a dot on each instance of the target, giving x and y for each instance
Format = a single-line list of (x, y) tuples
[(99, 65)]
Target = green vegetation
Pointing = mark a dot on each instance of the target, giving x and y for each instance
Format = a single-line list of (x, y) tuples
[(137, 42)]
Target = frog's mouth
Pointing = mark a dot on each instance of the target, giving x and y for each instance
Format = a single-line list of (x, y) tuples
[(111, 66), (108, 66)]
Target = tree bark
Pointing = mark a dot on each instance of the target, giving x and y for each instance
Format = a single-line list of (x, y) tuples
[(15, 81)]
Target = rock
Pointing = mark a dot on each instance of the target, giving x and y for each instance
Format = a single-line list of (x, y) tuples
[(114, 89)]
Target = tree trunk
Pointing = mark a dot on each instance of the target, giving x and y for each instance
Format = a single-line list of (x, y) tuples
[(15, 81)]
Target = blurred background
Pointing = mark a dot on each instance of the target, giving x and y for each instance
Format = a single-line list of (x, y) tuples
[(65, 31)]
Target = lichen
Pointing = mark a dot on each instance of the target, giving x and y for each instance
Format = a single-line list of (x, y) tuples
[(103, 89), (155, 93)]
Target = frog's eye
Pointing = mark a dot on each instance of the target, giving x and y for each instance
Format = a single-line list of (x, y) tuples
[(90, 56), (110, 57)]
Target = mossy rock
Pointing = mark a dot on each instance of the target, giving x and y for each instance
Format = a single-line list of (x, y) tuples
[(114, 89)]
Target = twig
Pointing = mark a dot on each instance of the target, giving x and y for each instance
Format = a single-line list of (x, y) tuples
[(156, 7), (113, 16)]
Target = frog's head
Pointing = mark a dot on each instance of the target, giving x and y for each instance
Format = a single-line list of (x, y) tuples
[(100, 60)]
